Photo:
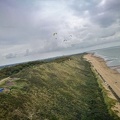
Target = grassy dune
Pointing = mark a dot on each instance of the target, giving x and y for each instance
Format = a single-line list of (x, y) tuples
[(62, 89)]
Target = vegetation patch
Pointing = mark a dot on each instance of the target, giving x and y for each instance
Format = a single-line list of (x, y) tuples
[(61, 89)]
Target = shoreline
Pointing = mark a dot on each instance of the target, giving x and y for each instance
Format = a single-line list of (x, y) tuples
[(110, 77), (116, 68), (107, 61), (108, 74)]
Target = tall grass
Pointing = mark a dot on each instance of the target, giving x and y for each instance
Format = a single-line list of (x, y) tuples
[(62, 89)]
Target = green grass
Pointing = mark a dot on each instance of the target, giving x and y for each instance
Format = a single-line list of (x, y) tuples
[(62, 89), (109, 101)]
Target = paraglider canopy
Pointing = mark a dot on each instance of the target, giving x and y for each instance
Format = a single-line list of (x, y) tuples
[(54, 34), (65, 40)]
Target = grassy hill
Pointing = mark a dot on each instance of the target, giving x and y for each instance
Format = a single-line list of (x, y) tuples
[(62, 89)]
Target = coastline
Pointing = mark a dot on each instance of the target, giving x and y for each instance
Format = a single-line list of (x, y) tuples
[(110, 78), (108, 61), (114, 69)]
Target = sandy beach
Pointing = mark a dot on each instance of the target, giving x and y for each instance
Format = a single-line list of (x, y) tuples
[(110, 77)]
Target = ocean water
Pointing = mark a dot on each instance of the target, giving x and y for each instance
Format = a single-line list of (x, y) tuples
[(111, 56)]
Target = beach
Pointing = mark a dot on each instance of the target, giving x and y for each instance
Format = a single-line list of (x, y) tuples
[(110, 77)]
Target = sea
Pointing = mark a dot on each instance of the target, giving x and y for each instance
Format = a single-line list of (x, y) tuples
[(110, 55)]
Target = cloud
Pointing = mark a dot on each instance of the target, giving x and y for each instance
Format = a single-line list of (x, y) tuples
[(103, 12), (27, 26), (10, 56)]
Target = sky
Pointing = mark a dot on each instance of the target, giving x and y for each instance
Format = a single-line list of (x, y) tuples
[(36, 29)]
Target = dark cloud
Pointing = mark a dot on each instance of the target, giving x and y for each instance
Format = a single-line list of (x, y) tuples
[(10, 56), (103, 12), (107, 35), (112, 5), (83, 5), (104, 20), (27, 52)]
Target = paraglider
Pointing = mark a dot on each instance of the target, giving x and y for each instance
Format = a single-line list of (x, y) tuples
[(65, 40), (54, 34)]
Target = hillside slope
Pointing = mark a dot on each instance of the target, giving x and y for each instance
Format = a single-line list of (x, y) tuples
[(62, 89)]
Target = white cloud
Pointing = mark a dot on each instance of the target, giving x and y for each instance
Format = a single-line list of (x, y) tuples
[(27, 27)]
